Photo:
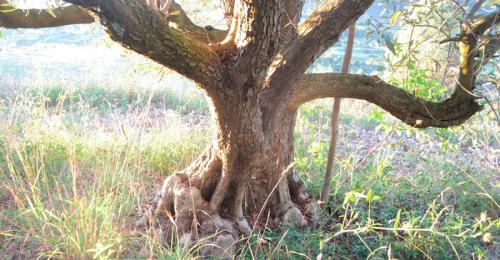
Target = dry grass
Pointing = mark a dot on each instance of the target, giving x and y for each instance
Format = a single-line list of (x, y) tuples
[(76, 176)]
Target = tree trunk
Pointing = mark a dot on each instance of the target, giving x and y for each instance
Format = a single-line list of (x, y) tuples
[(244, 179), (254, 75)]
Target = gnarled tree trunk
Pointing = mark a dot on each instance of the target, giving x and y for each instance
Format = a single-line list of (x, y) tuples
[(244, 178), (254, 76)]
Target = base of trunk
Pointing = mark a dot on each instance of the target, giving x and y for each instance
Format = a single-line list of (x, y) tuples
[(184, 211)]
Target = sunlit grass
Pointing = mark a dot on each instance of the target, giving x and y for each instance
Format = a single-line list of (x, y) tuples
[(79, 165), (76, 177), (434, 193)]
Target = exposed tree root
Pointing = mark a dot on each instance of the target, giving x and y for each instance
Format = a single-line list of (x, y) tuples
[(300, 196), (183, 212), (183, 209)]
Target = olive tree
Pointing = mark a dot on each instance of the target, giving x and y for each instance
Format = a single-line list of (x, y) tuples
[(254, 74)]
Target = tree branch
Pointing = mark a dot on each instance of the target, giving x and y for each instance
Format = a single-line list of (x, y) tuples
[(415, 112), (470, 45), (315, 35), (399, 103), (324, 27), (262, 28), (67, 15), (228, 7), (170, 39), (41, 18)]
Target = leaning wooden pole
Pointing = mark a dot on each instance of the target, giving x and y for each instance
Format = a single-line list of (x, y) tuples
[(335, 119)]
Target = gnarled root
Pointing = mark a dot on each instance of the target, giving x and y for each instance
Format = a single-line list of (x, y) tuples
[(183, 209), (300, 196), (184, 212), (220, 237)]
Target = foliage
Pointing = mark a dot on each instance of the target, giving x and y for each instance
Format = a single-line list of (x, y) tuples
[(416, 59)]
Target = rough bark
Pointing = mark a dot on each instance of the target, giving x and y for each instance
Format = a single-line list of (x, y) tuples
[(243, 180), (399, 103)]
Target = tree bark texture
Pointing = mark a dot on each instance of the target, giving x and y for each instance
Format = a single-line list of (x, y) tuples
[(253, 74)]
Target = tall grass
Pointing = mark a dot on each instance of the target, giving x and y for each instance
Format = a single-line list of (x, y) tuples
[(80, 164), (76, 176), (400, 192)]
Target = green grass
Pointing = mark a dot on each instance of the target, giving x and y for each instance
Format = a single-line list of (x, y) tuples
[(418, 194), (80, 164), (74, 185)]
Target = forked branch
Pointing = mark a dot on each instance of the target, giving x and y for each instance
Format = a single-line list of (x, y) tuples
[(315, 35), (167, 36), (403, 105)]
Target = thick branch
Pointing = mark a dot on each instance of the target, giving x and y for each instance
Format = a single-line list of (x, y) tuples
[(315, 35), (399, 103), (469, 47), (263, 27), (324, 27), (67, 15), (228, 7), (40, 18), (159, 36), (326, 24), (419, 113)]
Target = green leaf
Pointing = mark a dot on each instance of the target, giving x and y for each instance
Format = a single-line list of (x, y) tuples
[(51, 12), (394, 18), (396, 222), (349, 196), (389, 43), (369, 196)]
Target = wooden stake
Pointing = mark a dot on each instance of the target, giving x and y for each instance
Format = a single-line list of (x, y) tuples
[(335, 119)]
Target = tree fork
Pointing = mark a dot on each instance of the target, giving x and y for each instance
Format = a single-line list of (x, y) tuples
[(256, 89)]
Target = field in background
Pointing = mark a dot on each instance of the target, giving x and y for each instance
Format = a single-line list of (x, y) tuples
[(80, 163)]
